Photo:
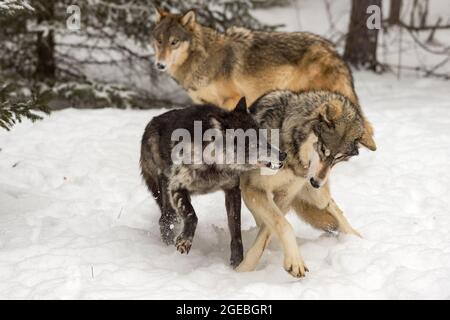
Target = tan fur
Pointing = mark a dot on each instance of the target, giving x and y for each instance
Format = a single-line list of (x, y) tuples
[(262, 203), (269, 198), (178, 57), (321, 219), (214, 91)]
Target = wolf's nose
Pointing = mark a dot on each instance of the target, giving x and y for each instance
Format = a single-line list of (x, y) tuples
[(161, 66), (314, 183), (283, 156)]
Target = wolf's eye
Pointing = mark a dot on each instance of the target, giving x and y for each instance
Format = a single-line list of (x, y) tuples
[(174, 42), (159, 41)]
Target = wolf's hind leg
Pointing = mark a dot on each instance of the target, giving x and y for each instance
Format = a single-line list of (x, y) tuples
[(168, 217), (233, 206), (316, 207), (181, 201), (318, 218), (344, 225)]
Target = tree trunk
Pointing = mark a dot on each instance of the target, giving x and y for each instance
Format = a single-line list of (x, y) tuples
[(361, 42), (45, 45), (394, 12)]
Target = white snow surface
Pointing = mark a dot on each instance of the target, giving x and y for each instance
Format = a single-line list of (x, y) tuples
[(77, 222)]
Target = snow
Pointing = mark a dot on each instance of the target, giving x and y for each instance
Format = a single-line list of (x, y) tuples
[(395, 47), (76, 220)]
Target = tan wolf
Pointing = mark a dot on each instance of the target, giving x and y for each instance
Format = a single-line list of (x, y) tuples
[(219, 68), (318, 129)]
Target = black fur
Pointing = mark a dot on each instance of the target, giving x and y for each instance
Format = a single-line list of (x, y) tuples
[(173, 184)]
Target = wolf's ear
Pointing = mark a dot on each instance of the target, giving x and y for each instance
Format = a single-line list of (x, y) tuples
[(188, 19), (159, 14), (241, 106), (330, 111), (367, 137)]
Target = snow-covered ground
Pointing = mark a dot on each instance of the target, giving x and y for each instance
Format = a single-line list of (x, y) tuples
[(76, 221)]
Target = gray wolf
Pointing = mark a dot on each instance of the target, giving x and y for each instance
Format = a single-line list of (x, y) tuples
[(173, 183), (219, 68), (318, 129)]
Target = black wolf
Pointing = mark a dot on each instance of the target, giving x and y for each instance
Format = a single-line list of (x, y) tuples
[(172, 183)]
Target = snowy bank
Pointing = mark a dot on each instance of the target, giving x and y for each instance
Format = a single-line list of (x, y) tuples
[(76, 221)]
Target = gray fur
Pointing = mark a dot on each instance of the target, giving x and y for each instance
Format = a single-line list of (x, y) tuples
[(297, 115)]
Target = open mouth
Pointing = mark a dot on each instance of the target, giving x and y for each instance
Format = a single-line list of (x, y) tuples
[(275, 165), (270, 165)]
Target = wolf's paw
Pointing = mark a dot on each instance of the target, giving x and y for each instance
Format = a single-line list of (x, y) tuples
[(356, 233), (244, 267), (350, 230), (234, 262), (167, 232), (168, 241), (237, 255), (168, 238), (183, 245), (295, 267)]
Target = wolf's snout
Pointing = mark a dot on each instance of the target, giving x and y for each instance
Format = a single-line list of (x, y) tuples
[(161, 66), (282, 156), (314, 183)]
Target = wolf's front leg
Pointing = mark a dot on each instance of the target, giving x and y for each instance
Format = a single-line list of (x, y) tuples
[(233, 206), (181, 201), (254, 254), (262, 205)]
